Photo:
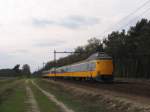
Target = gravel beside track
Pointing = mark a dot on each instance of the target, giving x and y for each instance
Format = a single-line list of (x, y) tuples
[(130, 87), (131, 95)]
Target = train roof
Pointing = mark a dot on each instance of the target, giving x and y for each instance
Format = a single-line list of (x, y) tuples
[(99, 56), (95, 56)]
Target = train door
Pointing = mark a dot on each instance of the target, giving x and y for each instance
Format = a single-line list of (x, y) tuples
[(90, 71)]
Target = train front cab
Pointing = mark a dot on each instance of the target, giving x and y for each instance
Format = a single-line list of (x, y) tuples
[(104, 69)]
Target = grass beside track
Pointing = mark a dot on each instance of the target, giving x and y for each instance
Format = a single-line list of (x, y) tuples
[(44, 103), (6, 88), (6, 82), (82, 103), (12, 96)]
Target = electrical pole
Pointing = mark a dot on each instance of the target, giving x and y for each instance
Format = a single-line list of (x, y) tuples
[(43, 64), (55, 64)]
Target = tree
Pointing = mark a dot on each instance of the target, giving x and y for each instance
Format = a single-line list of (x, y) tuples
[(93, 45), (26, 70), (131, 50), (16, 68)]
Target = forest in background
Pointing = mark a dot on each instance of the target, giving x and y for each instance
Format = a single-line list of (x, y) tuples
[(16, 71)]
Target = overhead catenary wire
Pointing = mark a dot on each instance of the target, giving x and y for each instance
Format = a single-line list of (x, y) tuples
[(126, 17), (123, 26)]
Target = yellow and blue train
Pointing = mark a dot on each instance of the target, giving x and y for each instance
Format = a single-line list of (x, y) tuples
[(98, 66)]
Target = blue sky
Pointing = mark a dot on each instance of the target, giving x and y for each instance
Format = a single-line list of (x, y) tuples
[(31, 29)]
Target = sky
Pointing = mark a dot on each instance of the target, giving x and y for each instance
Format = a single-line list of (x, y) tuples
[(30, 30)]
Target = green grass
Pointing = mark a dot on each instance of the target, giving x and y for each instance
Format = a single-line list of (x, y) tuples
[(79, 103), (5, 81), (6, 88), (13, 99), (44, 103)]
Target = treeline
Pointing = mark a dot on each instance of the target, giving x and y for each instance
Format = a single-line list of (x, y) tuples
[(16, 71), (130, 51)]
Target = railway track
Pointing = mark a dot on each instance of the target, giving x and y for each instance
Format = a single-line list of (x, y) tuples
[(129, 87), (121, 95)]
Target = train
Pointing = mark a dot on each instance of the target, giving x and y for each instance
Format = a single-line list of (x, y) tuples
[(98, 66)]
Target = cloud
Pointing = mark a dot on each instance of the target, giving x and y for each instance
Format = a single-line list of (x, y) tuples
[(78, 21), (49, 43), (71, 22), (5, 56), (42, 22), (21, 51)]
